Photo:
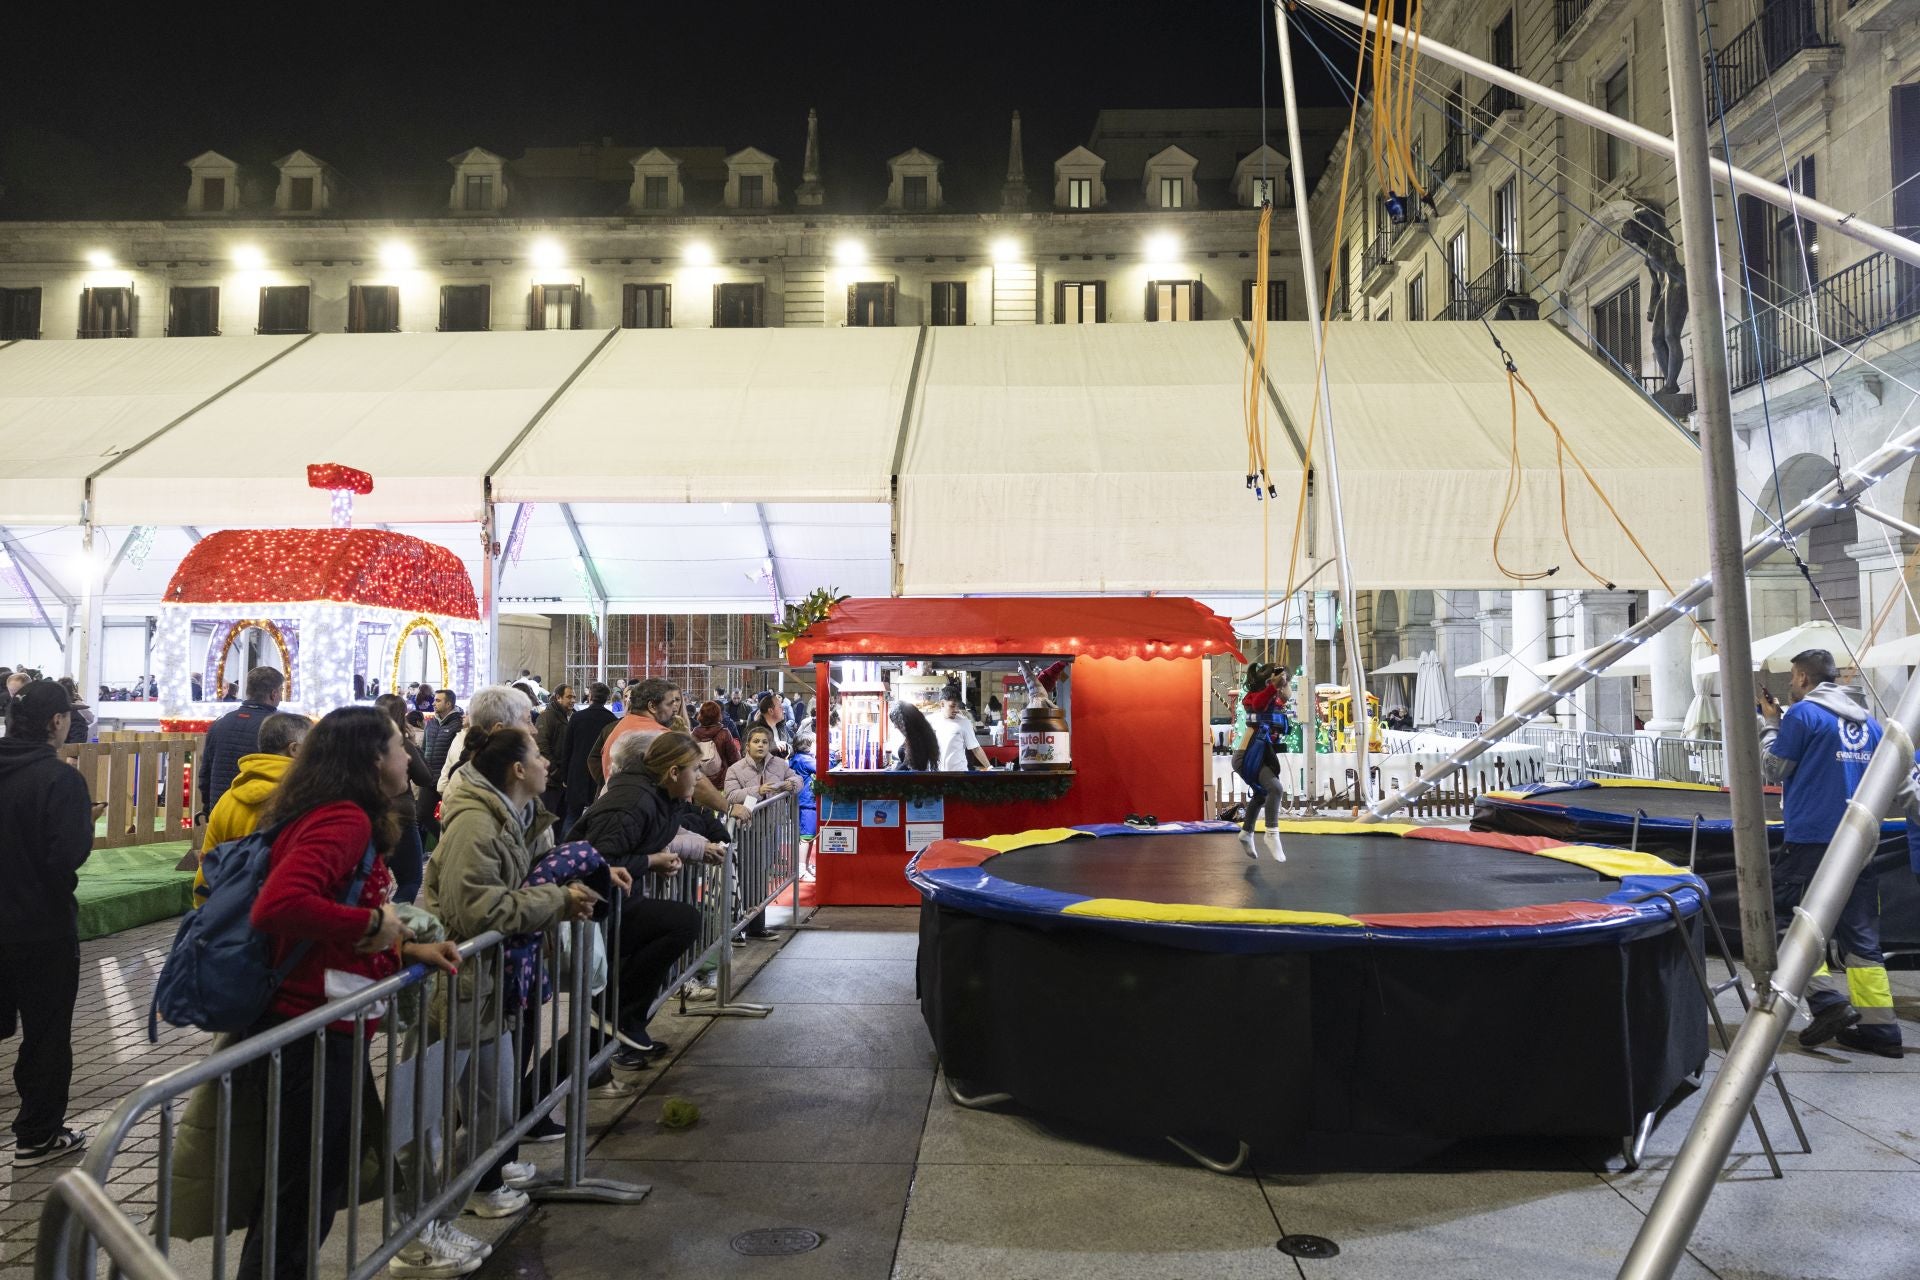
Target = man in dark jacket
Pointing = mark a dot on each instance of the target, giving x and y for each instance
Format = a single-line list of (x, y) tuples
[(443, 726), (583, 730), (549, 735), (237, 734), (46, 832)]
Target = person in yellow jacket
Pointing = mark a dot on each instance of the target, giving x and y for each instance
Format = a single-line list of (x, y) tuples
[(238, 811)]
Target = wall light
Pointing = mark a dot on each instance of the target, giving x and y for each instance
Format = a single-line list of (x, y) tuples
[(698, 254), (395, 256), (1164, 247), (249, 258), (1006, 249), (849, 253), (99, 259), (547, 255)]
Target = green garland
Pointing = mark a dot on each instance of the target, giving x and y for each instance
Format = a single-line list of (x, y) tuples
[(1002, 787)]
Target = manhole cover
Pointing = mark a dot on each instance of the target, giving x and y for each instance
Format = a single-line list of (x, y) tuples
[(775, 1242), (1308, 1247)]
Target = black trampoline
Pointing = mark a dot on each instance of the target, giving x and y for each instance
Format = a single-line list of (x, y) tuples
[(1683, 820), (1381, 980)]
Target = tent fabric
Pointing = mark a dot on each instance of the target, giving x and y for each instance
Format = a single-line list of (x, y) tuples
[(723, 415), (1119, 627), (67, 409), (425, 413), (1398, 667), (1775, 652)]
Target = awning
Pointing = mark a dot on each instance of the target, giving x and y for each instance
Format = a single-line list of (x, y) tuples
[(722, 415), (1398, 667), (1098, 627), (67, 409), (1501, 665), (1776, 652), (1637, 663)]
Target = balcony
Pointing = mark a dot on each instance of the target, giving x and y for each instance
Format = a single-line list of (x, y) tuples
[(1498, 293), (1452, 158), (1779, 60), (1854, 303), (1566, 13), (1376, 260)]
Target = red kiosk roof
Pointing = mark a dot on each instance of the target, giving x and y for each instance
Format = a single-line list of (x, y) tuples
[(1091, 626), (354, 566)]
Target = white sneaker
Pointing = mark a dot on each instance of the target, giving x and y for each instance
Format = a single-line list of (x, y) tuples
[(501, 1202), (456, 1239), (699, 993), (432, 1257), (517, 1173), (614, 1088)]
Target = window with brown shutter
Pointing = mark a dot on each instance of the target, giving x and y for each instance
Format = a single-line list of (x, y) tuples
[(1276, 299), (106, 313), (870, 304), (1080, 302), (19, 314), (739, 306), (466, 308), (373, 308), (554, 306), (647, 306), (299, 195), (949, 302), (193, 311), (283, 309), (1173, 300)]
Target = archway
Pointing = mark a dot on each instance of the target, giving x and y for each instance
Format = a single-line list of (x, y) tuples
[(420, 656), (1836, 576), (246, 644)]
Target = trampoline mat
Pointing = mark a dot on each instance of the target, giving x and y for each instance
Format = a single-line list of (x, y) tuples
[(1342, 874), (1656, 802)]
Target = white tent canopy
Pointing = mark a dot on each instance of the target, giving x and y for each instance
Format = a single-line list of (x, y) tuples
[(1903, 652), (1498, 665), (1775, 652), (1637, 663)]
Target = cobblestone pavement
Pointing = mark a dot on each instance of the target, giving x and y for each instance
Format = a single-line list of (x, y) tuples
[(110, 1057)]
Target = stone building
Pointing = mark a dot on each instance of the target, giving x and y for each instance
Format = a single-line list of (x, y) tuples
[(1527, 219)]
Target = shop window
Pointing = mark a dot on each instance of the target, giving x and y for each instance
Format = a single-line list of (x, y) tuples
[(193, 311), (466, 308), (949, 302), (283, 309), (19, 314), (647, 306), (373, 308)]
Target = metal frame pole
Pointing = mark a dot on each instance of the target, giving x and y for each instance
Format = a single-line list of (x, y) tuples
[(1303, 226), (1683, 1196), (1752, 184), (1713, 393)]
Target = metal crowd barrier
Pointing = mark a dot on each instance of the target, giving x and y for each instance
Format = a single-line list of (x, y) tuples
[(442, 1123)]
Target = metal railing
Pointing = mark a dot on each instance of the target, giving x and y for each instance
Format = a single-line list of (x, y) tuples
[(1574, 755), (1378, 255), (452, 1097), (1853, 303), (1496, 102), (1783, 29), (1453, 155), (1566, 14), (1504, 278)]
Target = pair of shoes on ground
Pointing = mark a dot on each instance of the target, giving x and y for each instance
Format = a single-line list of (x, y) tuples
[(1840, 1024), (506, 1199), (632, 1034), (698, 992), (64, 1143), (439, 1252)]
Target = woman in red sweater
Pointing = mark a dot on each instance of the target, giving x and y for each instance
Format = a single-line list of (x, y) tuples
[(335, 811)]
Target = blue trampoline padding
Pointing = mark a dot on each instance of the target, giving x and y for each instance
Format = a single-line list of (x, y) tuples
[(1546, 796)]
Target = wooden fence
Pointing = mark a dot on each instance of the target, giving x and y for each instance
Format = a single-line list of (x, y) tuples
[(144, 780)]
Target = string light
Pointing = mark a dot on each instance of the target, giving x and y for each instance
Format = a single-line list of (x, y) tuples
[(140, 544)]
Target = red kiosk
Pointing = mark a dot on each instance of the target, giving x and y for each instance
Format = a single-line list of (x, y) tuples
[(1131, 680)]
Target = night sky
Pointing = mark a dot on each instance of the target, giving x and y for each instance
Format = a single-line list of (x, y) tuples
[(390, 91)]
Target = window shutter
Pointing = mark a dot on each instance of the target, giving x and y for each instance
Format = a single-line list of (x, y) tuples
[(717, 309), (853, 304), (269, 314), (1100, 302), (1197, 310), (1904, 117), (759, 306), (173, 312), (444, 295), (356, 308), (537, 307), (1153, 300), (1756, 221), (86, 313), (485, 294), (1059, 302), (579, 301), (959, 296), (888, 297), (213, 312), (1246, 300), (666, 306), (629, 298)]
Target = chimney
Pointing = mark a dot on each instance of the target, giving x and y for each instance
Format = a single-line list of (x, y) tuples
[(1013, 193), (811, 193)]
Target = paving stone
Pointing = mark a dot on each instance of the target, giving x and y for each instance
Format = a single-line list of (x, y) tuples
[(794, 980)]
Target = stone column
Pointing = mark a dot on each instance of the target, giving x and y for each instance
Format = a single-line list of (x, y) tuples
[(1669, 653), (1881, 561), (1604, 705), (1778, 598), (1529, 643), (1456, 632), (1496, 636)]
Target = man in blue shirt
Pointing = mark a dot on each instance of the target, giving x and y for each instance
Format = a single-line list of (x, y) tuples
[(1818, 751)]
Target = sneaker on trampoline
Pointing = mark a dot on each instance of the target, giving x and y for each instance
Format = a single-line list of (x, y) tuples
[(454, 1238), (1828, 1023), (1857, 1040), (501, 1202), (546, 1129), (518, 1173), (433, 1257), (63, 1143)]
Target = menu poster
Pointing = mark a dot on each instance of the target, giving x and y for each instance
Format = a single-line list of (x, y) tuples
[(879, 813), (839, 839)]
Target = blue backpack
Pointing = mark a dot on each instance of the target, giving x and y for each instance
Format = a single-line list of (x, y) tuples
[(219, 974), (1261, 748)]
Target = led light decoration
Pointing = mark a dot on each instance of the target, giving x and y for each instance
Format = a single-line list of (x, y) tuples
[(140, 545), (343, 482), (278, 632), (425, 624)]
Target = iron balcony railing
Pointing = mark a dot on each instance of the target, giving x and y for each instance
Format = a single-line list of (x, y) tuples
[(1566, 14), (1497, 100), (1853, 303), (1503, 278), (1452, 158), (1378, 253), (1783, 29)]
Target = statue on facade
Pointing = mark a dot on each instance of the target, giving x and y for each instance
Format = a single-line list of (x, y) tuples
[(1647, 232)]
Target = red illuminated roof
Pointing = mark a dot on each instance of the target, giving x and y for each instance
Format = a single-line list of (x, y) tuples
[(1094, 627), (352, 566)]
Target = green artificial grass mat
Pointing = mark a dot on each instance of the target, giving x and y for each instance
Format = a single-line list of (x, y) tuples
[(124, 888)]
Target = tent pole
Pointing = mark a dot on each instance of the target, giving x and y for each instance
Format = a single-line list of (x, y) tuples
[(1348, 614), (1713, 392), (1752, 184), (490, 585)]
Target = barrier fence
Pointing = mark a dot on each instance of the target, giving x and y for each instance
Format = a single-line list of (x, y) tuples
[(447, 1074), (144, 779)]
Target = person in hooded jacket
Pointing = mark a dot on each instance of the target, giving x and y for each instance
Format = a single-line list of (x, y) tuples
[(237, 813), (646, 822), (1817, 751), (81, 720), (46, 833)]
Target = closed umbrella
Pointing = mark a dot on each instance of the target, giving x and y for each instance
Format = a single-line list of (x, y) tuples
[(1703, 713), (1432, 691)]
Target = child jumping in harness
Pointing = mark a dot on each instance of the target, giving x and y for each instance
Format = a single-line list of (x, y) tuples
[(1256, 755)]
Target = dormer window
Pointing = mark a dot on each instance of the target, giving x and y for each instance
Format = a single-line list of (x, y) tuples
[(479, 182), (913, 182), (1078, 181), (1168, 179), (1079, 193), (1257, 178), (215, 184), (753, 191), (1173, 192), (299, 195), (213, 195), (656, 194), (303, 184), (1260, 192), (656, 182), (750, 180)]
